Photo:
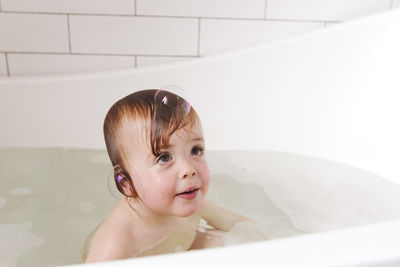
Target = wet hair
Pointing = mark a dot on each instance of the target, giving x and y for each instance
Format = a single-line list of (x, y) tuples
[(132, 110)]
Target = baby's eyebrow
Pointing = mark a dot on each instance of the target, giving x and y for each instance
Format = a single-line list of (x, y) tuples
[(195, 139), (198, 139)]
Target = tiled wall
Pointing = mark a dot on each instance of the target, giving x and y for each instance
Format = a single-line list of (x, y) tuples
[(58, 36)]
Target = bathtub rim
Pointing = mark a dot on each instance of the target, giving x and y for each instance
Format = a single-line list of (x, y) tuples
[(342, 247)]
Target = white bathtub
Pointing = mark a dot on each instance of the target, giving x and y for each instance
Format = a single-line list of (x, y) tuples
[(333, 94)]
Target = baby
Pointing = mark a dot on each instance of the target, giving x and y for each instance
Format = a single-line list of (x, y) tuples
[(156, 145)]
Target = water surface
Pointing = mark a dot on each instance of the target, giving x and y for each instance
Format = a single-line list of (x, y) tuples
[(51, 198)]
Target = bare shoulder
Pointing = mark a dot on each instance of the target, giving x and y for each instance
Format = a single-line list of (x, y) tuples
[(113, 240), (107, 247)]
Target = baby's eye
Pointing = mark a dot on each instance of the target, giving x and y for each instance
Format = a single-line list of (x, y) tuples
[(197, 150), (164, 158)]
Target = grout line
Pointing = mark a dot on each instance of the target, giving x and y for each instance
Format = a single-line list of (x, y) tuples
[(135, 61), (157, 16), (391, 5), (244, 19), (0, 5), (198, 38), (69, 35), (265, 9), (300, 20), (95, 54), (65, 13), (194, 56), (7, 65), (135, 3)]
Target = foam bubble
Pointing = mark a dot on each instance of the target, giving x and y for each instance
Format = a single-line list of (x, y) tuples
[(21, 191), (16, 240), (112, 188), (3, 202), (244, 232), (203, 223), (169, 103), (87, 207), (179, 248)]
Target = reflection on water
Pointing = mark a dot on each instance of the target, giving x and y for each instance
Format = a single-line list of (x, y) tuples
[(50, 199)]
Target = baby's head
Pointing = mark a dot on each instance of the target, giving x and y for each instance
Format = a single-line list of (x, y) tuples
[(157, 149)]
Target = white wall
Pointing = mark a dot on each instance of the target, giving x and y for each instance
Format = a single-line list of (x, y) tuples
[(54, 36)]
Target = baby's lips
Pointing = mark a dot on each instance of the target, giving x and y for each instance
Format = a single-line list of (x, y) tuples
[(189, 189), (189, 195)]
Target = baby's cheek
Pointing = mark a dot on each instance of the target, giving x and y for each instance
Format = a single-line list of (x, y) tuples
[(169, 190), (206, 178), (165, 190)]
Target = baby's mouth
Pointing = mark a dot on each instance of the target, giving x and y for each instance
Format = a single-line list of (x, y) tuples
[(189, 194), (190, 190)]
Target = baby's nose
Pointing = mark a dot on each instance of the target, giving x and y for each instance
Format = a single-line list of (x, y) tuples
[(187, 171), (188, 174)]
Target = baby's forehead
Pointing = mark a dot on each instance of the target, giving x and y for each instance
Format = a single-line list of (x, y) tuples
[(136, 133), (189, 131), (135, 130)]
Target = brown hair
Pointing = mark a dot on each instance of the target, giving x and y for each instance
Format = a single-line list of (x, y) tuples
[(161, 124)]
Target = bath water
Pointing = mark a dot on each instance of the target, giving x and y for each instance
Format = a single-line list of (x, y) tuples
[(52, 198)]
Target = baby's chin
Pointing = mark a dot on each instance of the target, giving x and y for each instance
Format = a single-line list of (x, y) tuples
[(187, 214), (187, 210)]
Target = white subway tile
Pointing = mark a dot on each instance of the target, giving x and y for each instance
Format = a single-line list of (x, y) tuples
[(23, 64), (221, 35), (396, 3), (134, 35), (202, 8), (147, 61), (33, 33), (3, 65), (71, 6), (324, 9)]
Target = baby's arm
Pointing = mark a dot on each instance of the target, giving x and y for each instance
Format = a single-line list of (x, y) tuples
[(220, 218)]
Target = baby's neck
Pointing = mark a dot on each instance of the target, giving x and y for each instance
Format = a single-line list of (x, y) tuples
[(146, 216)]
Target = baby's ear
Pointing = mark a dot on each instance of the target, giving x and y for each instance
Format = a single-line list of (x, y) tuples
[(127, 188), (124, 182)]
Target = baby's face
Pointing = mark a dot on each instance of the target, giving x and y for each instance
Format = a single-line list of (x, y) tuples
[(163, 182)]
